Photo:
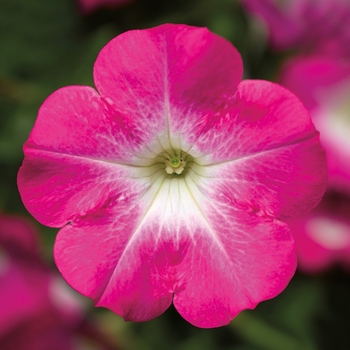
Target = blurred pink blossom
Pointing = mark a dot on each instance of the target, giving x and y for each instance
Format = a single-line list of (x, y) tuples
[(24, 286), (305, 25), (323, 84), (88, 6), (38, 310), (323, 235), (171, 181)]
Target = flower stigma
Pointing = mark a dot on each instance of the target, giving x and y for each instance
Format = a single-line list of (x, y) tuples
[(174, 164)]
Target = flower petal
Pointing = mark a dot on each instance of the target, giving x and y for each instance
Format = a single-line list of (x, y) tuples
[(78, 157), (76, 120), (17, 231), (24, 280), (305, 24), (134, 264), (237, 277), (262, 116), (113, 272), (117, 269), (323, 85), (58, 188), (307, 76), (266, 152), (160, 78), (284, 23), (322, 236)]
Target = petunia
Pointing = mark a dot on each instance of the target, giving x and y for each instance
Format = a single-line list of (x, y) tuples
[(307, 25), (89, 6), (38, 310), (18, 244), (323, 85), (323, 235), (170, 182)]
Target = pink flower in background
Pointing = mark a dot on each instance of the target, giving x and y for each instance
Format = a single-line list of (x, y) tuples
[(38, 310), (307, 25), (323, 235), (18, 239), (323, 84), (171, 181), (322, 81), (88, 6)]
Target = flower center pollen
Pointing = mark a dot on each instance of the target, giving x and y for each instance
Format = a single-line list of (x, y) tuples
[(174, 164)]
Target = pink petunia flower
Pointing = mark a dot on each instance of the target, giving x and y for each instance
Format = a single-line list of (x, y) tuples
[(18, 244), (323, 84), (171, 181), (308, 25), (323, 235), (89, 6), (38, 310)]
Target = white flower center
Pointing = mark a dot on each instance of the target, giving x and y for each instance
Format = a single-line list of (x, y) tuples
[(175, 161), (172, 176)]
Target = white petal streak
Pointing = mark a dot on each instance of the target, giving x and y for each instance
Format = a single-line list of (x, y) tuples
[(200, 201), (173, 213), (174, 210)]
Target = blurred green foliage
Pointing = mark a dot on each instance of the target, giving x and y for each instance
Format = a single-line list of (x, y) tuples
[(48, 44)]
